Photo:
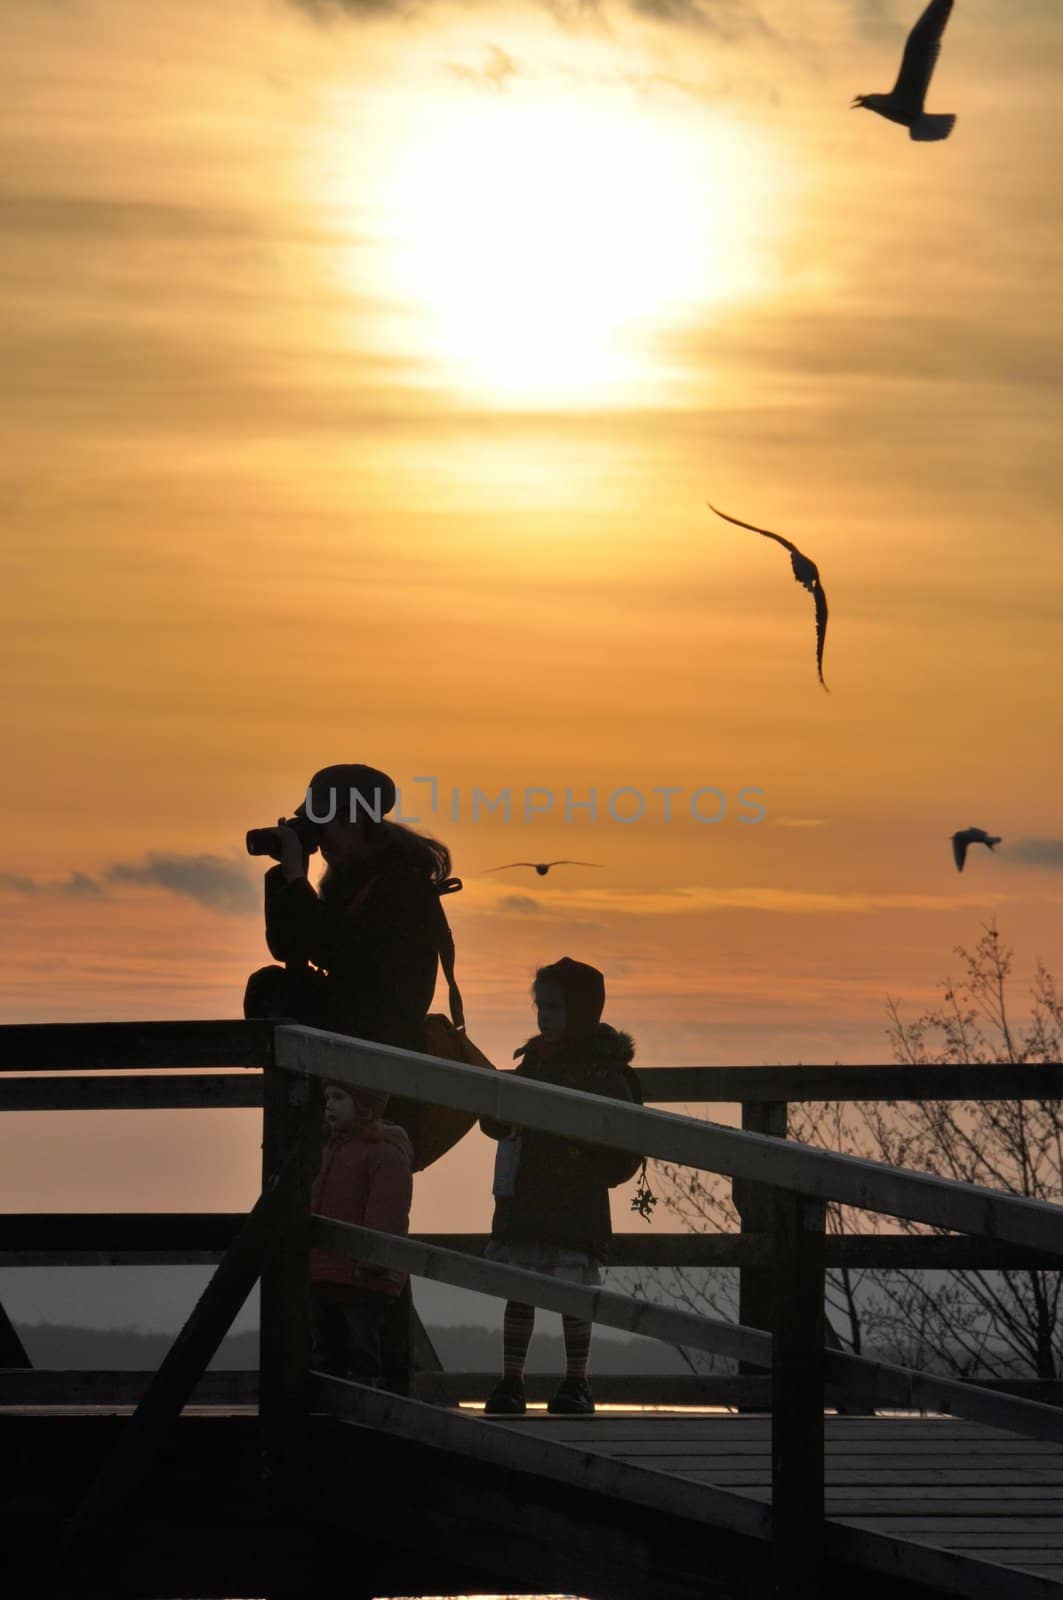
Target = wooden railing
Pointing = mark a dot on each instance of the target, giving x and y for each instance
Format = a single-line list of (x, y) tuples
[(67, 1053), (798, 1180), (782, 1243)]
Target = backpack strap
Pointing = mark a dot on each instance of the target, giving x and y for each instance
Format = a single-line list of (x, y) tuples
[(445, 947)]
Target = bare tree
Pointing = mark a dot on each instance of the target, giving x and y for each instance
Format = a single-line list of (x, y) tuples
[(703, 1202), (995, 1323), (1000, 1323)]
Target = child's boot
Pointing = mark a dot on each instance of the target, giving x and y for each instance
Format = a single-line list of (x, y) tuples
[(506, 1399), (573, 1399)]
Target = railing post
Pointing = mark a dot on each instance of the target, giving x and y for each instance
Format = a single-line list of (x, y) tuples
[(291, 1122), (797, 1434), (753, 1201)]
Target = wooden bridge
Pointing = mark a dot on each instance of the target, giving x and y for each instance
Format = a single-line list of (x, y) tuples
[(286, 1483)]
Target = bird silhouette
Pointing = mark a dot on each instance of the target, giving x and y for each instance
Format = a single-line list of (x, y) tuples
[(807, 575), (967, 836), (904, 103), (542, 867)]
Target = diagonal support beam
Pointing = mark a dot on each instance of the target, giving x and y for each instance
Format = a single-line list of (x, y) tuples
[(604, 1306), (877, 1383), (12, 1350), (181, 1369)]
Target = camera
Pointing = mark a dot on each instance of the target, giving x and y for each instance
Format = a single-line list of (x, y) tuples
[(266, 841)]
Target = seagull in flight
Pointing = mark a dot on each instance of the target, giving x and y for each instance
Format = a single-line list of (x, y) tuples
[(543, 867), (967, 836), (807, 575), (904, 103)]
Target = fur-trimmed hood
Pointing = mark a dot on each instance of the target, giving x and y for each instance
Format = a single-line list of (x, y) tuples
[(607, 1047)]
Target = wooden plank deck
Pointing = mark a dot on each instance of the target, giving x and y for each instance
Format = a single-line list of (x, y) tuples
[(962, 1509), (935, 1504), (937, 1482)]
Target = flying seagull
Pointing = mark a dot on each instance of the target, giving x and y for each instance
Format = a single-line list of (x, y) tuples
[(967, 836), (543, 867), (904, 103), (807, 574)]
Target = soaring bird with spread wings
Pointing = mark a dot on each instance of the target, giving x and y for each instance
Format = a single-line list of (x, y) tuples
[(542, 867), (805, 572), (904, 103), (967, 836)]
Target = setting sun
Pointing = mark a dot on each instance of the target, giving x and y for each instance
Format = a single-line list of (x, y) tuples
[(539, 246), (368, 369)]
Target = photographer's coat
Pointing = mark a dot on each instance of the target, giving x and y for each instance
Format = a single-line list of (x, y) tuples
[(374, 930)]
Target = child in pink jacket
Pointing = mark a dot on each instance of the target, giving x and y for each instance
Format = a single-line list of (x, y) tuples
[(366, 1177)]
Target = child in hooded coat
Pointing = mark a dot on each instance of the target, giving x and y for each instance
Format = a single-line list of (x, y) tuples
[(552, 1194), (366, 1177)]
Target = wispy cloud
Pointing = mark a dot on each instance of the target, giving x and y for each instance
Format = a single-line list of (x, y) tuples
[(211, 881), (891, 344), (726, 19), (16, 883), (697, 899), (1038, 853), (322, 10), (81, 887), (873, 18), (522, 904), (56, 212), (494, 73), (77, 887)]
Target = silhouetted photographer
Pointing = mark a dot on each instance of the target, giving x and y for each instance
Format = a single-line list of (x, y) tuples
[(361, 951)]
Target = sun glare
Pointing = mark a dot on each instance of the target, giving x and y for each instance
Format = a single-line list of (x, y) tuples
[(539, 247)]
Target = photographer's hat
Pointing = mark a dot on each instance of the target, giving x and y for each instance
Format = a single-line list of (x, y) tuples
[(348, 791)]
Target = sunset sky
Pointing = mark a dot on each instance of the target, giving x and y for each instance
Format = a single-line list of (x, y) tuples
[(364, 373)]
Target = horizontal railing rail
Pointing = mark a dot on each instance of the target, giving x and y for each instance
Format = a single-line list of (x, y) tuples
[(134, 1091), (222, 1387), (65, 1387), (926, 1081), (686, 1141), (164, 1238), (133, 1046), (70, 1048), (880, 1383)]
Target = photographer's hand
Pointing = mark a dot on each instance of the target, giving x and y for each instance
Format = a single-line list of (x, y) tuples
[(293, 857)]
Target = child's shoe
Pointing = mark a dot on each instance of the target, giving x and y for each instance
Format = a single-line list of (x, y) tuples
[(506, 1399), (573, 1399)]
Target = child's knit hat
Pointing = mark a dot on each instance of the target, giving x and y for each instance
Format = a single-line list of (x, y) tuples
[(367, 1102)]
